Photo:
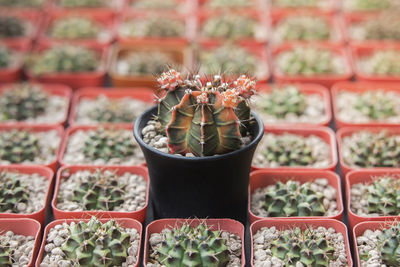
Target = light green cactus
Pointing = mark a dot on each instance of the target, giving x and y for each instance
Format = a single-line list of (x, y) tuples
[(22, 3), (144, 63), (303, 28), (229, 26), (295, 3), (383, 62), (383, 196), (376, 105), (155, 4), (74, 28)]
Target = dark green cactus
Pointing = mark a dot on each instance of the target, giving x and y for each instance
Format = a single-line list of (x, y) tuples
[(6, 255), (82, 3), (383, 196), (5, 56), (19, 146), (192, 246), (292, 199), (12, 192), (23, 101), (376, 105), (11, 27), (22, 3), (75, 28)]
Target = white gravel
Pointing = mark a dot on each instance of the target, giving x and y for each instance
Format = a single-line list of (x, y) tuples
[(368, 245), (21, 246)]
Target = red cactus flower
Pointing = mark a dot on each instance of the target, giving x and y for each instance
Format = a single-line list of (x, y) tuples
[(170, 80)]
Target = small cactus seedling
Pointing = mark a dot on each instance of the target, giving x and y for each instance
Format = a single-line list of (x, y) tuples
[(5, 57), (204, 119), (152, 27), (295, 3), (74, 28), (23, 101), (383, 196), (22, 3), (366, 5), (376, 105), (229, 3), (155, 4), (12, 193), (386, 26), (14, 249), (112, 112), (229, 26), (143, 63), (382, 62), (11, 27), (82, 3), (19, 146)]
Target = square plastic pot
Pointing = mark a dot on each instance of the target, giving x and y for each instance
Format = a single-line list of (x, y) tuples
[(26, 227), (326, 80), (74, 80), (228, 225), (284, 224), (360, 88), (325, 133), (65, 172), (366, 177), (307, 89), (142, 94), (264, 178), (42, 171), (37, 128), (124, 222), (348, 131), (13, 73)]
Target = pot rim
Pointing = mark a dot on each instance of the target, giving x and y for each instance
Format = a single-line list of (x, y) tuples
[(138, 137)]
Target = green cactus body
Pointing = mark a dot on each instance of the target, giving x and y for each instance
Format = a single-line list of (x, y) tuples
[(304, 28), (112, 112), (19, 146), (22, 3), (193, 246), (5, 57), (82, 3), (23, 101), (371, 4), (229, 3), (143, 63), (383, 27), (383, 62), (376, 105), (6, 255), (292, 199), (295, 3), (230, 26), (153, 27), (12, 193), (74, 28), (155, 4), (11, 27), (383, 196), (388, 245)]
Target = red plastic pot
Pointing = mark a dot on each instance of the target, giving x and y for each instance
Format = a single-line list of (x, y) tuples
[(264, 178), (360, 52), (36, 128), (290, 223), (143, 94), (307, 89), (52, 89), (365, 177), (42, 171), (360, 88), (74, 80), (26, 227), (13, 74), (326, 79), (124, 222), (325, 133), (228, 225)]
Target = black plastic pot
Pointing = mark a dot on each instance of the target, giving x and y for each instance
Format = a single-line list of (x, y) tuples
[(202, 187)]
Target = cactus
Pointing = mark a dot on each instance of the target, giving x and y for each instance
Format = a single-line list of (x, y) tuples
[(19, 146), (74, 28), (22, 3), (155, 4), (386, 26), (229, 3), (205, 119), (192, 246), (229, 26), (5, 56), (143, 63), (152, 27), (295, 3), (308, 61), (292, 199), (228, 58), (383, 196), (365, 5), (64, 58), (383, 62), (23, 101), (108, 144), (283, 101), (12, 193), (376, 105), (82, 3), (11, 27), (306, 247), (112, 112)]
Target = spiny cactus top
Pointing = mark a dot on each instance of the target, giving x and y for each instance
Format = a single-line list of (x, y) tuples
[(376, 105), (230, 26), (383, 196), (382, 62), (11, 27), (5, 57), (204, 119), (153, 27), (13, 191), (74, 28), (83, 3), (19, 146)]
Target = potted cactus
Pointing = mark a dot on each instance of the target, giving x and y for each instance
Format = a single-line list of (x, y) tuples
[(99, 106), (100, 145), (98, 7), (239, 4), (20, 242), (298, 193), (18, 27), (293, 104), (73, 65), (91, 242), (34, 103), (11, 61), (224, 133), (208, 242), (25, 192), (323, 64), (366, 104), (298, 242), (292, 147), (369, 5), (36, 4), (161, 5)]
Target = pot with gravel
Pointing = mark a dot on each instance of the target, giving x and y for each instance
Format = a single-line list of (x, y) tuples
[(305, 194), (208, 242), (91, 242), (369, 5), (22, 3), (299, 242), (292, 147), (227, 3), (11, 62), (198, 127), (19, 242), (115, 192)]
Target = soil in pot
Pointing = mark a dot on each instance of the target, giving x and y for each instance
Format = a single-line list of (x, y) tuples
[(288, 104), (371, 5), (292, 150), (31, 103), (102, 146), (279, 247), (115, 245), (381, 62), (16, 250), (292, 198)]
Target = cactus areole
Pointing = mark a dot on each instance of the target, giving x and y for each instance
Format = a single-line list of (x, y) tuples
[(209, 120)]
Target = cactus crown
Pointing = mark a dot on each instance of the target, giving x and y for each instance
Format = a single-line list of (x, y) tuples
[(11, 26), (192, 246), (74, 28), (383, 196), (17, 146), (13, 192), (5, 56), (96, 244), (23, 101), (204, 119), (306, 247), (292, 199), (376, 105)]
